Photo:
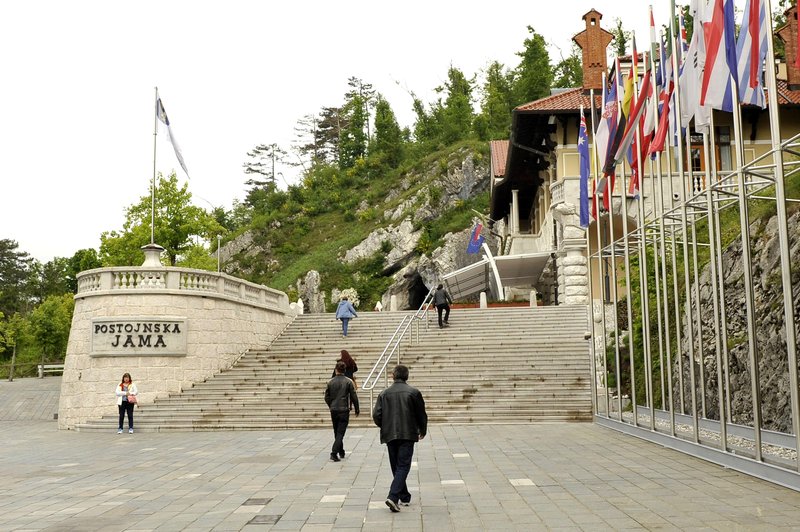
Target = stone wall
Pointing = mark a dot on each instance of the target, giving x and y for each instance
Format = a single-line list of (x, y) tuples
[(222, 317)]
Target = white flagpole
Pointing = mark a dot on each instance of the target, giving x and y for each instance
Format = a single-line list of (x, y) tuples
[(153, 191)]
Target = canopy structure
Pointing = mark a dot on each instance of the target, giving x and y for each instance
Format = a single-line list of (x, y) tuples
[(492, 274)]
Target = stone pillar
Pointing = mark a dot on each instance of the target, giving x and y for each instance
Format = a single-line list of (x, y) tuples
[(393, 303), (515, 211), (484, 304), (572, 262)]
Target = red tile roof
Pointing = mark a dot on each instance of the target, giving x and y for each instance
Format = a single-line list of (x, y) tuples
[(499, 151), (572, 99), (568, 100)]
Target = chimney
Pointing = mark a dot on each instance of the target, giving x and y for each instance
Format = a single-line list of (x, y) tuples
[(593, 42), (788, 34)]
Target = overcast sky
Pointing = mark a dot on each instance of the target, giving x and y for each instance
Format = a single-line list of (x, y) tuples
[(77, 95)]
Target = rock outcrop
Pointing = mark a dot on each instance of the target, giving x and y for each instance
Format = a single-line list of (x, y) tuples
[(770, 332)]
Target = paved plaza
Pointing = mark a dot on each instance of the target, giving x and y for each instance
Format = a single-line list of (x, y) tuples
[(464, 478)]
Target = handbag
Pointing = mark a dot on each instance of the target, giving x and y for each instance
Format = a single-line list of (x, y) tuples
[(132, 399)]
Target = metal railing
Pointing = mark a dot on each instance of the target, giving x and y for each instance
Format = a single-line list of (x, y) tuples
[(403, 330)]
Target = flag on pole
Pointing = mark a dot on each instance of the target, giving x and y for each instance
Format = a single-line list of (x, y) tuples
[(664, 97), (583, 151), (634, 116), (476, 240), (691, 78), (720, 68), (751, 50), (161, 114), (606, 130)]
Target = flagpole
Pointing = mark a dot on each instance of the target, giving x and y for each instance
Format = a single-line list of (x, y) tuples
[(590, 299), (783, 233), (600, 262), (153, 190)]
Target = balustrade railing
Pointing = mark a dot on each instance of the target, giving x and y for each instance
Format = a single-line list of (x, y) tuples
[(122, 279)]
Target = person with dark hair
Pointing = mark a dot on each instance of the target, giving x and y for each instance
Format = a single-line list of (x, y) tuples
[(442, 300), (126, 399), (400, 413), (339, 395), (345, 311), (350, 367)]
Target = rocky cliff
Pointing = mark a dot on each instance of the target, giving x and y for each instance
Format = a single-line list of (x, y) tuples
[(770, 330)]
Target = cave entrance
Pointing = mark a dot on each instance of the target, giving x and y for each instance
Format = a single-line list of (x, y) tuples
[(416, 291)]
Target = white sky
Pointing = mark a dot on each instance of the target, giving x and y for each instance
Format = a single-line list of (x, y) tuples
[(77, 96)]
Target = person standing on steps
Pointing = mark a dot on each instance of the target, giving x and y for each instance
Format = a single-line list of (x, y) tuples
[(350, 367), (442, 300), (339, 395), (345, 312), (126, 399), (400, 413)]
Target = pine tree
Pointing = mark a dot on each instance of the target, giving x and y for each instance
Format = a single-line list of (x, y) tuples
[(494, 120), (457, 111), (388, 141), (533, 77)]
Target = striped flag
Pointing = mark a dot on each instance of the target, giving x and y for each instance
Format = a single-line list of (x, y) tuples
[(751, 50), (720, 68), (161, 114), (583, 151), (691, 77)]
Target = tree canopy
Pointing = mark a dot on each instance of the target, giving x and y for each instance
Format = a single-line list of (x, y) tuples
[(178, 225)]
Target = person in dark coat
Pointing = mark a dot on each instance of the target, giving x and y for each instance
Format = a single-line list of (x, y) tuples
[(339, 395), (400, 413), (350, 367), (442, 300)]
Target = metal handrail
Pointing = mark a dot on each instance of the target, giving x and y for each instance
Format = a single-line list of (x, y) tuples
[(393, 345)]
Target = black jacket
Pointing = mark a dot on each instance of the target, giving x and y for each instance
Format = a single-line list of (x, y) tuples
[(340, 393), (441, 297), (400, 413)]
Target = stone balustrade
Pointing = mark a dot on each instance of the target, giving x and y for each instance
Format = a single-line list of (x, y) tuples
[(129, 279)]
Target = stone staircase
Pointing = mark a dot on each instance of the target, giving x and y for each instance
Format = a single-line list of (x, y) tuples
[(508, 365)]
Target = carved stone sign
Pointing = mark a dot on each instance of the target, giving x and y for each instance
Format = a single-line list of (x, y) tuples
[(138, 336)]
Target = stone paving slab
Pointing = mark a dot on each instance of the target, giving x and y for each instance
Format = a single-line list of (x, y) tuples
[(464, 478)]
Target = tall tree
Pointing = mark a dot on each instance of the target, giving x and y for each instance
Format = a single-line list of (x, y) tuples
[(364, 90), (494, 120), (15, 278), (621, 38), (533, 77), (458, 113), (265, 161), (353, 136), (50, 278), (307, 145), (332, 120), (388, 142), (51, 322), (569, 71), (178, 225), (428, 124)]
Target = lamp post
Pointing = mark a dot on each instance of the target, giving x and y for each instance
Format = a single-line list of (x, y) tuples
[(219, 240)]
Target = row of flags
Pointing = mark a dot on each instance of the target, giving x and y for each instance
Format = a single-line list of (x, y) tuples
[(716, 70)]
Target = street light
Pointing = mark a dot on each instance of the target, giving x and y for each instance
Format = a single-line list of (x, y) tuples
[(219, 239)]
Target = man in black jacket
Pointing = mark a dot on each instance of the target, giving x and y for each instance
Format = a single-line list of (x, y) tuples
[(400, 413), (339, 394), (442, 300)]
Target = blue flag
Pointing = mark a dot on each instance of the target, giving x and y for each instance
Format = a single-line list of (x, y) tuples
[(583, 151), (476, 240)]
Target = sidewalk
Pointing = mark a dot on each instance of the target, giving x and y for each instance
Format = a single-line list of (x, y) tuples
[(465, 478)]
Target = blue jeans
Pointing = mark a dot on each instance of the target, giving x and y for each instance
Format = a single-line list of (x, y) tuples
[(344, 325), (400, 454)]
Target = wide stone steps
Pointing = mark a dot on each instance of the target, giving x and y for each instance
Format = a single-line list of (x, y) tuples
[(490, 366)]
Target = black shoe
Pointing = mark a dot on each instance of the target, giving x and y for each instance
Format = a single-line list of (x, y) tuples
[(392, 505), (334, 457), (341, 454), (405, 503)]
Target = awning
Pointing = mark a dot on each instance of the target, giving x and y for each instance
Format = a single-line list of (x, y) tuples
[(493, 274)]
